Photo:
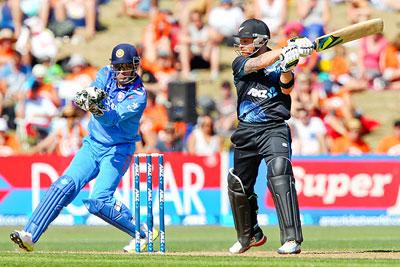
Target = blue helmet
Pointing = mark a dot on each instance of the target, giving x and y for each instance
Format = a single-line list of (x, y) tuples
[(124, 63)]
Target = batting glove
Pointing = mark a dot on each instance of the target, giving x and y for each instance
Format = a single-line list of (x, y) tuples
[(90, 99), (304, 45), (289, 57)]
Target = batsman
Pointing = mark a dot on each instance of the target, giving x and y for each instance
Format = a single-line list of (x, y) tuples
[(264, 79)]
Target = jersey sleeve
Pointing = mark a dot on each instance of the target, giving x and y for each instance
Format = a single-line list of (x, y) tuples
[(101, 78), (132, 106), (238, 67)]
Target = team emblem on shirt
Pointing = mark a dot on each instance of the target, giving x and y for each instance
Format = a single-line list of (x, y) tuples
[(120, 96), (120, 53)]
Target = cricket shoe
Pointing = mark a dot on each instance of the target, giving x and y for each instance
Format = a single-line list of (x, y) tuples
[(131, 247), (290, 247), (22, 239), (257, 240)]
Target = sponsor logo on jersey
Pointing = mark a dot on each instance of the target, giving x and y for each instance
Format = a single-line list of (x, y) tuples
[(269, 93), (132, 106)]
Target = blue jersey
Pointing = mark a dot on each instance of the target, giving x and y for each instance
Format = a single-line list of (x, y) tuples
[(260, 99), (124, 108)]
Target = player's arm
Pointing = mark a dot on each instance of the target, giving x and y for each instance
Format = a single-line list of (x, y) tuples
[(264, 60), (300, 46)]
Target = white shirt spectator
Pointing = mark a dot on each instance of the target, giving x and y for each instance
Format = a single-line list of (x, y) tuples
[(226, 21), (39, 111), (204, 148), (271, 13), (307, 136)]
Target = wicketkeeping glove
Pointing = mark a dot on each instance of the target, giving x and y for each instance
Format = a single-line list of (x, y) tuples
[(289, 57), (304, 45), (90, 99)]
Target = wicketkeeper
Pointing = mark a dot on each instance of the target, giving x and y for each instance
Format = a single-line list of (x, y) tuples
[(116, 100), (264, 79)]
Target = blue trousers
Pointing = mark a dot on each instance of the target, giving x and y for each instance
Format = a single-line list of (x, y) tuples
[(93, 160)]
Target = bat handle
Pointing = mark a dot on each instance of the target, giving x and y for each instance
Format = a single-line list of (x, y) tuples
[(314, 45)]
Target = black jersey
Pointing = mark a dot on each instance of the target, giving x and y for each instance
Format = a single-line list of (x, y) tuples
[(260, 99)]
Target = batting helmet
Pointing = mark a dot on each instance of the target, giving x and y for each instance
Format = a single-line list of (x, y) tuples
[(256, 29)]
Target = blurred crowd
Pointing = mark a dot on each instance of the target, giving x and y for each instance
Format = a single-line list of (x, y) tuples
[(37, 87)]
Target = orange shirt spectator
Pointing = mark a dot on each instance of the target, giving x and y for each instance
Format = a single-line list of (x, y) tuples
[(7, 41), (352, 143), (340, 65), (156, 113), (391, 144)]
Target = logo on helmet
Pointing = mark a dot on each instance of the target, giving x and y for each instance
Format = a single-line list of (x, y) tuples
[(119, 53)]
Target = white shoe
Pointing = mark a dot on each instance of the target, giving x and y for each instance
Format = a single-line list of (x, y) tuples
[(131, 247), (290, 247), (255, 241), (22, 239)]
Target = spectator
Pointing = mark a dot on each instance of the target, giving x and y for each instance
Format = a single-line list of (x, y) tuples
[(82, 13), (340, 72), (391, 64), (291, 30), (155, 113), (24, 9), (6, 15), (391, 144), (168, 141), (160, 35), (195, 49), (309, 134), (358, 10), (203, 141), (273, 13), (315, 16), (5, 148), (224, 21), (36, 113), (78, 66), (46, 90), (13, 76), (37, 41), (304, 94), (370, 55), (352, 143), (386, 5), (67, 138), (7, 41), (54, 72), (226, 107), (138, 9)]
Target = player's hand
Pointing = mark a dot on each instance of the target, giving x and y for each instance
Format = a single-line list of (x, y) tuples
[(90, 99), (289, 57), (304, 45)]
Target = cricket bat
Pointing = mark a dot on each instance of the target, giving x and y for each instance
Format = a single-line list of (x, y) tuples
[(349, 33)]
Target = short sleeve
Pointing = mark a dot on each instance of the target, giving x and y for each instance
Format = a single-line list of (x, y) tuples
[(238, 67), (101, 78)]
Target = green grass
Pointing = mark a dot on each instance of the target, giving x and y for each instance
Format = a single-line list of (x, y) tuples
[(206, 246)]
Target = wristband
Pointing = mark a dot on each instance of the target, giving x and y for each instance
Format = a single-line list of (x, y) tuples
[(287, 85)]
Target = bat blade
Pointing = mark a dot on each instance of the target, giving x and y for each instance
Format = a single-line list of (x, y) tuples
[(349, 33)]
